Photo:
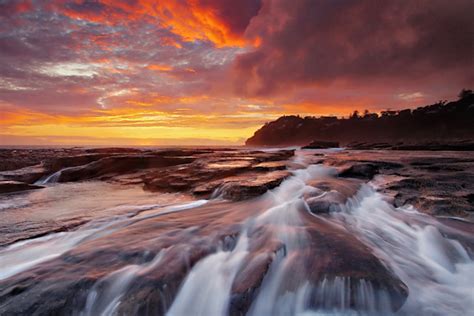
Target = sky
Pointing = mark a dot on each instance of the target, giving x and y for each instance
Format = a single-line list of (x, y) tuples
[(211, 72)]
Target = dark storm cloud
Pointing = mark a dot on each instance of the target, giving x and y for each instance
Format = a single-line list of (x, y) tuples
[(236, 14), (318, 42)]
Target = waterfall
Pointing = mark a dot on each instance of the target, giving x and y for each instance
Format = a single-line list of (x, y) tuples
[(202, 295), (438, 270), (104, 297), (52, 178)]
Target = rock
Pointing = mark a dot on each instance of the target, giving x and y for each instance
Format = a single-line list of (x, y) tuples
[(119, 165), (436, 193), (249, 278), (29, 174), (335, 253), (271, 166), (220, 169), (321, 144), (346, 187), (465, 145), (200, 177), (251, 185), (330, 194), (368, 146), (15, 186), (17, 158), (329, 202), (59, 163), (438, 146), (360, 171), (326, 252), (113, 150)]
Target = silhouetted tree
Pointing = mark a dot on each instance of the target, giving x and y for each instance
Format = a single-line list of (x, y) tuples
[(465, 93), (388, 113), (354, 115), (436, 122)]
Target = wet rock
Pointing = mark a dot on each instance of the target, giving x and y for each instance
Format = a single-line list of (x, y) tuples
[(17, 158), (462, 145), (321, 144), (29, 174), (59, 163), (386, 165), (271, 166), (119, 165), (346, 187), (436, 193), (201, 178), (222, 170), (328, 202), (368, 146), (247, 282), (15, 186), (330, 194), (438, 146), (337, 254), (325, 253), (280, 155), (360, 171), (251, 185), (113, 150)]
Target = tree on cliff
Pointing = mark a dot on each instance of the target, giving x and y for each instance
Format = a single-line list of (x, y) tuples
[(440, 121)]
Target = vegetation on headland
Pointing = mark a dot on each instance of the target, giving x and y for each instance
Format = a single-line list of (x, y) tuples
[(440, 122)]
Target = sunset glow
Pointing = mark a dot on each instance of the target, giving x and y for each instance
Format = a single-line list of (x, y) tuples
[(207, 72)]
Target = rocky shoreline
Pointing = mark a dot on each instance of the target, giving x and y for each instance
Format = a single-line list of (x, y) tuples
[(441, 184), (304, 233)]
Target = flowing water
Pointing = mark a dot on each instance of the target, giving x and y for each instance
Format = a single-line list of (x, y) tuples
[(223, 245)]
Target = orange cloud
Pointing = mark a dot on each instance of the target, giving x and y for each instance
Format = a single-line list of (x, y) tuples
[(124, 126), (191, 20), (158, 67)]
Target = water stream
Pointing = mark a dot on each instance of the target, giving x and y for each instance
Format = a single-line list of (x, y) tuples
[(423, 253)]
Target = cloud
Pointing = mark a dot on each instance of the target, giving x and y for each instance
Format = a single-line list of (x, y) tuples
[(222, 22), (8, 8), (48, 141), (207, 63), (314, 42), (411, 96)]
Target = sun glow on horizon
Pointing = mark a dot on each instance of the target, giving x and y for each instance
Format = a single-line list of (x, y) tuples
[(209, 71)]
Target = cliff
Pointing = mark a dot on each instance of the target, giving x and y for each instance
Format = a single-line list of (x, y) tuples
[(440, 122)]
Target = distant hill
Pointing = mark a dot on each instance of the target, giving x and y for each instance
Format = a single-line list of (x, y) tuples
[(440, 122)]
